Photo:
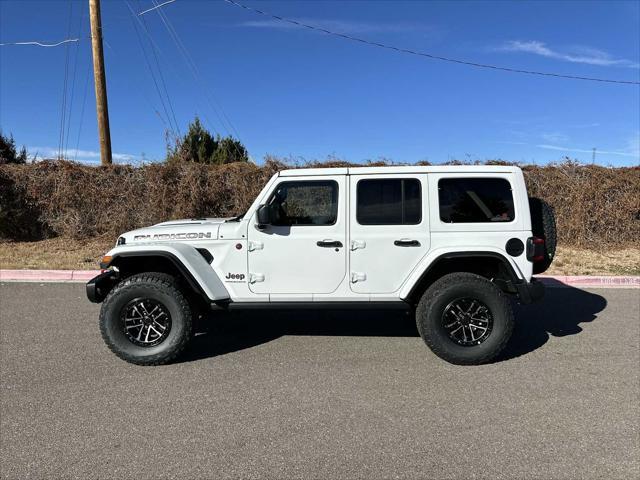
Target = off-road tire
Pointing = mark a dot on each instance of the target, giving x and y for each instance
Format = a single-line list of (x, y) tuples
[(543, 225), (159, 287), (431, 308)]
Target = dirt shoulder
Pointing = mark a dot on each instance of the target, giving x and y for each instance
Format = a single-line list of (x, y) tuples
[(54, 254), (576, 261), (68, 254)]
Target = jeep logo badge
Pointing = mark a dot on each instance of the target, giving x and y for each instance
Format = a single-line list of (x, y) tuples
[(238, 277)]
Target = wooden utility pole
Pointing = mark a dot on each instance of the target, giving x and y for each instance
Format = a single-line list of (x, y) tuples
[(102, 109)]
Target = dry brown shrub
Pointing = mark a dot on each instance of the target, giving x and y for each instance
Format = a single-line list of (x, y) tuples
[(595, 206)]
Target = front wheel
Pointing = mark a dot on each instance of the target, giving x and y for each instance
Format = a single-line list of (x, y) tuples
[(146, 319), (464, 319)]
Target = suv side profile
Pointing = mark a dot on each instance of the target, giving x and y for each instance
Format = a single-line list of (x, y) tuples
[(450, 243)]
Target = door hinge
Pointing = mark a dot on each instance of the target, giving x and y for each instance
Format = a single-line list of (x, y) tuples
[(255, 246), (358, 277), (256, 277), (356, 244)]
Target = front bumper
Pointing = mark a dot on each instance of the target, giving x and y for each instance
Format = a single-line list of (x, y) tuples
[(98, 287), (530, 292)]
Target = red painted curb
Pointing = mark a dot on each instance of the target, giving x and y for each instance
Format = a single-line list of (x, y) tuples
[(47, 275), (36, 275), (551, 281), (587, 281), (84, 275)]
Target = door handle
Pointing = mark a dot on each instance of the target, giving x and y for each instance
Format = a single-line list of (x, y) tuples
[(406, 243), (329, 243)]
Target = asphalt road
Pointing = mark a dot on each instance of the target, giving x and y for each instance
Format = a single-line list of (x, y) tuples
[(320, 395)]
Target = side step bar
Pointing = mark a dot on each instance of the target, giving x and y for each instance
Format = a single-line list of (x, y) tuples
[(398, 305)]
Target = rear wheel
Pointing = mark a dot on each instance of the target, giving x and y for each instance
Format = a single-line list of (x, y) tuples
[(464, 319), (146, 319)]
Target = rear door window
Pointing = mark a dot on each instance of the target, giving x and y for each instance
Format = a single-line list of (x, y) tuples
[(389, 201), (475, 200)]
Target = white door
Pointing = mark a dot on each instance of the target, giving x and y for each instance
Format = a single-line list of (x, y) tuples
[(389, 230), (303, 250)]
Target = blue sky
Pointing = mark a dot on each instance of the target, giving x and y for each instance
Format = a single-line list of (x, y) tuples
[(288, 91)]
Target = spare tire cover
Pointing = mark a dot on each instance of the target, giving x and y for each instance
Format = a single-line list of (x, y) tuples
[(543, 225)]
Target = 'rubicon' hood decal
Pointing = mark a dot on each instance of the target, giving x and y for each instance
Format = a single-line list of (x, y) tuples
[(177, 230), (171, 236)]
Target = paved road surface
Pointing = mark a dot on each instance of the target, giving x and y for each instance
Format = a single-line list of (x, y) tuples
[(320, 395)]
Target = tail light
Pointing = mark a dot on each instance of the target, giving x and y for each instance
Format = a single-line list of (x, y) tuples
[(535, 249)]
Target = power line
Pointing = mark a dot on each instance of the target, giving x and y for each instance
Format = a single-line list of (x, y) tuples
[(84, 101), (424, 54), (191, 65), (147, 32), (164, 85), (182, 51), (40, 44), (63, 111), (210, 97), (73, 83), (188, 60), (135, 19), (194, 70), (157, 6)]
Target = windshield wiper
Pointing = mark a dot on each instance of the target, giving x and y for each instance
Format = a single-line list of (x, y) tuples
[(238, 218)]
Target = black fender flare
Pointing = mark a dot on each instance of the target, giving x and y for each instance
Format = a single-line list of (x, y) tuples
[(507, 285)]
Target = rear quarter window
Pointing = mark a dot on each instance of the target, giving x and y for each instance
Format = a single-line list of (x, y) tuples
[(475, 200)]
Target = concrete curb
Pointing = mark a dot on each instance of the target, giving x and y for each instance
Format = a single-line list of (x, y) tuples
[(551, 281), (47, 275), (587, 281)]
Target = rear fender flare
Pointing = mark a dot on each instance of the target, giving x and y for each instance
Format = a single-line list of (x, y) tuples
[(434, 257)]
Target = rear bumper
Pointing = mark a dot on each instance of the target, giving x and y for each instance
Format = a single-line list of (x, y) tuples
[(98, 287), (530, 292)]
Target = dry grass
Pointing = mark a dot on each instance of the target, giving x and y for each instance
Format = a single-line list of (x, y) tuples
[(577, 261), (68, 254), (54, 254)]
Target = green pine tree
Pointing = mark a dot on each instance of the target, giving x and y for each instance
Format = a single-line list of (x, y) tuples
[(8, 152), (198, 145)]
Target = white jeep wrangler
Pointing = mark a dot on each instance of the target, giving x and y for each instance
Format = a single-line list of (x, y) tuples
[(451, 243)]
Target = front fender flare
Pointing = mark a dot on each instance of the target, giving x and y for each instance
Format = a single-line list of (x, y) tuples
[(189, 262)]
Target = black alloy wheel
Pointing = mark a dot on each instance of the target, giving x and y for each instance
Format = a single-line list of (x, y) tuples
[(467, 321), (146, 322)]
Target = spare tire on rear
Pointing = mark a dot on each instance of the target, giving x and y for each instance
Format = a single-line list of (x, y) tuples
[(543, 225)]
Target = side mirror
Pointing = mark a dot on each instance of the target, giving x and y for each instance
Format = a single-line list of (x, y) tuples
[(263, 217)]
